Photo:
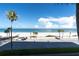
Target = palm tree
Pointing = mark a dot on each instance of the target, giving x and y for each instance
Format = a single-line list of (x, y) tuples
[(35, 33), (59, 33), (6, 31), (9, 30), (12, 17), (60, 30)]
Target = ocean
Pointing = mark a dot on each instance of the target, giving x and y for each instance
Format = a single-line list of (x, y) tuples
[(40, 30)]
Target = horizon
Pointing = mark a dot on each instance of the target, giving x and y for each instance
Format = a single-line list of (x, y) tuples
[(40, 28), (39, 15)]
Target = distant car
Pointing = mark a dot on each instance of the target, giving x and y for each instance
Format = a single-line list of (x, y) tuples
[(57, 37), (22, 38)]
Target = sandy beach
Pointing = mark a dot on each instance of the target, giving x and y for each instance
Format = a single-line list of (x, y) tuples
[(43, 36)]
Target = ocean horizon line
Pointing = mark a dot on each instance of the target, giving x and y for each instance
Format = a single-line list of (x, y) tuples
[(38, 30)]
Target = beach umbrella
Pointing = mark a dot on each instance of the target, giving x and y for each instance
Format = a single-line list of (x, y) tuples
[(11, 14)]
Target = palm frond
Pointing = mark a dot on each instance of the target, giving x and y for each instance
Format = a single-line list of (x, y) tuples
[(12, 15)]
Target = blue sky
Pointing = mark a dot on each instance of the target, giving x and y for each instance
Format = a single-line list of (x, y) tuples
[(39, 15)]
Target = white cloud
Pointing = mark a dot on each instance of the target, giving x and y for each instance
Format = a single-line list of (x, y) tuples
[(49, 25), (62, 22), (36, 26)]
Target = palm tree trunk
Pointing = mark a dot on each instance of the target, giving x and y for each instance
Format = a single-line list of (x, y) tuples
[(11, 36), (69, 34), (59, 35), (62, 34)]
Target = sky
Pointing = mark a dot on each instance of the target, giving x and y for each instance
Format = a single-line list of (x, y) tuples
[(39, 15)]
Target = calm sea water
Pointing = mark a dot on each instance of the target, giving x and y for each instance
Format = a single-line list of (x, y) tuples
[(40, 30)]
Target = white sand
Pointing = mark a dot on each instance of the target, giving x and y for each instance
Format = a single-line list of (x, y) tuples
[(41, 37)]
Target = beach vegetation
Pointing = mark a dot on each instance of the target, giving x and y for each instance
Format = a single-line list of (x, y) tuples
[(8, 30)]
